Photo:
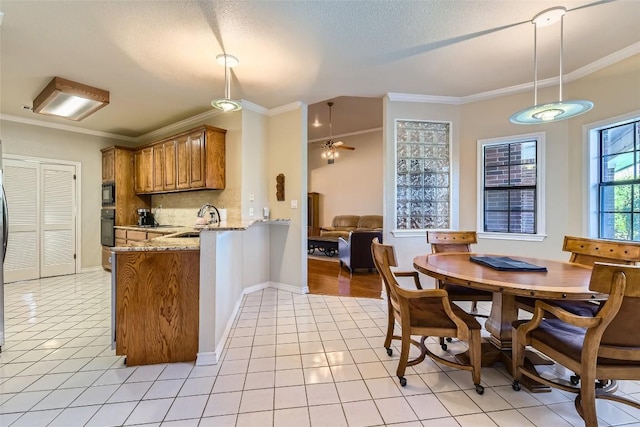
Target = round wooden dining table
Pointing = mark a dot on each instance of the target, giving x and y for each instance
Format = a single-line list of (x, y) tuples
[(562, 280)]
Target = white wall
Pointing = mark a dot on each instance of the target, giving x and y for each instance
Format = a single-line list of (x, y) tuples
[(353, 184), (287, 154), (35, 141)]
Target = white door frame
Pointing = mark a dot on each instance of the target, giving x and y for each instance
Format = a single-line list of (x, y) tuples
[(78, 181)]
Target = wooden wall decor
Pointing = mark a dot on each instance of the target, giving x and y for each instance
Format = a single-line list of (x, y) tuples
[(280, 187)]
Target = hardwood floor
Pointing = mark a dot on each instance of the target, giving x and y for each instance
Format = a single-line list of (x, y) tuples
[(327, 278)]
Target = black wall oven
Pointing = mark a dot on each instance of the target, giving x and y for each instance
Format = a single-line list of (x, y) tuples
[(108, 194), (107, 222)]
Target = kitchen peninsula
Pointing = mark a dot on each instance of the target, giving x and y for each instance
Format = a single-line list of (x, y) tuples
[(173, 297)]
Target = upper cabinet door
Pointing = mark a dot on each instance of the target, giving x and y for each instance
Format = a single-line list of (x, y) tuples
[(108, 166), (143, 160), (196, 143), (170, 166), (158, 168), (183, 162)]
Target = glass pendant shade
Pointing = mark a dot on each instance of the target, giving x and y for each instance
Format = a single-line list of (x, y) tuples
[(227, 104), (555, 111)]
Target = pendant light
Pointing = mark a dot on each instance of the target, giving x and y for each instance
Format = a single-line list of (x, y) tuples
[(559, 110), (227, 104)]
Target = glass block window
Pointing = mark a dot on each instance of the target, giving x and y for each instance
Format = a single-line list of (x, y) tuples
[(422, 174), (619, 182)]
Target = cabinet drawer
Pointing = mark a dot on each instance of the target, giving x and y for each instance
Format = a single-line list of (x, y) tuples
[(121, 234), (136, 235)]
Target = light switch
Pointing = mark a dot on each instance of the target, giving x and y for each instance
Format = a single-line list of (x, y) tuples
[(294, 204), (251, 197), (250, 211)]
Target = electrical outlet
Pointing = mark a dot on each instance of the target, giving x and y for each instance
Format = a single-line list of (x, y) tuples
[(250, 211), (251, 197)]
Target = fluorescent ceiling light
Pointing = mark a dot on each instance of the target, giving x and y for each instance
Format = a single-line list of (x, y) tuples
[(68, 99)]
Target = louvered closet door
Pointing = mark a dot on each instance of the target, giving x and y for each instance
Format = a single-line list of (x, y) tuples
[(58, 226), (21, 183)]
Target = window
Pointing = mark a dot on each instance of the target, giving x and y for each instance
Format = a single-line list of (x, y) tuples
[(422, 174), (510, 190), (619, 182)]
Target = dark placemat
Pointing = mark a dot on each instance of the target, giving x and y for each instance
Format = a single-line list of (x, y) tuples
[(504, 263)]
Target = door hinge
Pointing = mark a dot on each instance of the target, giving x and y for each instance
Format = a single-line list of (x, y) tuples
[(74, 176), (74, 256)]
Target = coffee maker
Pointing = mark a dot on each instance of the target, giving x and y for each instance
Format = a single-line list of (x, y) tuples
[(145, 218)]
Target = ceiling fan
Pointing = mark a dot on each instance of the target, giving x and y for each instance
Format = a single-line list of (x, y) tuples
[(331, 147)]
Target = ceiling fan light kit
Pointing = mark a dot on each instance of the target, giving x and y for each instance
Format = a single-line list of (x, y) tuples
[(331, 147), (555, 111), (227, 104), (69, 99)]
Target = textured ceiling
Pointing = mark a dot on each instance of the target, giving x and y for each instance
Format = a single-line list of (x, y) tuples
[(157, 58)]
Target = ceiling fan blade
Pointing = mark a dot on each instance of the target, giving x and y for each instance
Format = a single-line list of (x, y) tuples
[(345, 147), (337, 143)]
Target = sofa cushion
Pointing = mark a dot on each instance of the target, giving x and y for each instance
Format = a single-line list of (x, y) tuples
[(370, 222), (345, 222)]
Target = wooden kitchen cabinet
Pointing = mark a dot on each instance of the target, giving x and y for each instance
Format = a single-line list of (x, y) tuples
[(109, 165), (157, 306), (125, 236), (189, 161), (118, 167), (164, 166), (143, 160)]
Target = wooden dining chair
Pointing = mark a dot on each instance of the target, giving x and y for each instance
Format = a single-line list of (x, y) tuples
[(457, 241), (606, 345), (425, 313), (586, 251)]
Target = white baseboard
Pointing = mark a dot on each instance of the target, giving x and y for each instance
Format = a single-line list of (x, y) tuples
[(207, 358), (255, 288), (289, 288)]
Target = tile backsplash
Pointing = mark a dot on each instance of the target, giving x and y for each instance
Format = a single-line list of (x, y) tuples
[(182, 208)]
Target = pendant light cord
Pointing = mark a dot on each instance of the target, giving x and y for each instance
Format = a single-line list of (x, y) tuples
[(535, 64), (561, 51)]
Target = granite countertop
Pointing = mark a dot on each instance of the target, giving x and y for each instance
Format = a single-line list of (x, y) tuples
[(170, 243)]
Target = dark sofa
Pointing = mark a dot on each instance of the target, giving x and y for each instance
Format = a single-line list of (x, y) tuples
[(355, 250)]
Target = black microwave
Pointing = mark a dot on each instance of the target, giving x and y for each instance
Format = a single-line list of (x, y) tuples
[(108, 194)]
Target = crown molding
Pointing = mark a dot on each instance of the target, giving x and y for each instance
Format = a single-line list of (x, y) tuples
[(284, 108), (426, 99), (254, 107), (178, 126), (33, 122), (601, 63)]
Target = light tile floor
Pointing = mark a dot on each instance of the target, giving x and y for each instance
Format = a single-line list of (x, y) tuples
[(290, 360)]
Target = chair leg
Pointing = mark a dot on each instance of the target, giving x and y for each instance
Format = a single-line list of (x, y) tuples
[(404, 356), (518, 358), (474, 306), (475, 359), (588, 399), (390, 326)]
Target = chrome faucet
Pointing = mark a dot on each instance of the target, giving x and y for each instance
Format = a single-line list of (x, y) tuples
[(215, 214)]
